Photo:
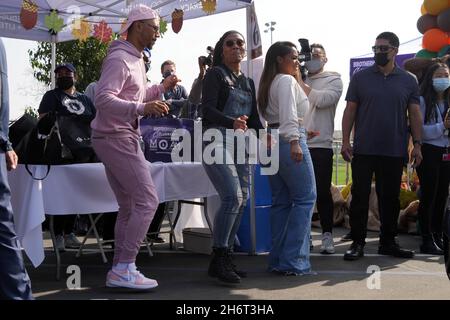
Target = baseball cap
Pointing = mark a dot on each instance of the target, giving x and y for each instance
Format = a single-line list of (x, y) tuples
[(68, 66), (139, 12)]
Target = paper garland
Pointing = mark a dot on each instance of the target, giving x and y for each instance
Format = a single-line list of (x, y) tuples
[(53, 22), (209, 6), (103, 32), (28, 14)]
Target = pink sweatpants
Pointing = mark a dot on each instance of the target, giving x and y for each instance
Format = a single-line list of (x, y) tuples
[(129, 177)]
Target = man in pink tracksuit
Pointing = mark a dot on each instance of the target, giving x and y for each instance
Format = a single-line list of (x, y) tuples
[(122, 96)]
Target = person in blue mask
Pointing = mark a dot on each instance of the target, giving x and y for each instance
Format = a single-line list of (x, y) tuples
[(434, 171)]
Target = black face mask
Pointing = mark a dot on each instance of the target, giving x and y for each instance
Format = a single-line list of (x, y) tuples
[(65, 83), (381, 58)]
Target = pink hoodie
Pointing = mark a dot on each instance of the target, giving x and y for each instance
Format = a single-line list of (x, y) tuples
[(121, 92)]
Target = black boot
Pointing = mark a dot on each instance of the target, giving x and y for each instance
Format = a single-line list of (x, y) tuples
[(428, 246), (437, 238), (220, 267), (240, 273)]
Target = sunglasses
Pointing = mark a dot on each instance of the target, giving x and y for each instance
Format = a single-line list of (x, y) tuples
[(155, 28), (382, 48), (239, 42)]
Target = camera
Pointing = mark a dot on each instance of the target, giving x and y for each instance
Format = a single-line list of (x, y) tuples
[(208, 60), (304, 56)]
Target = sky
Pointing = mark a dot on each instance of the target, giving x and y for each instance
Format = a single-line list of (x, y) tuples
[(346, 28)]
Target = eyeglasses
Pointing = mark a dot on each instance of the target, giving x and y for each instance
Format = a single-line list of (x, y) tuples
[(155, 28), (239, 42), (382, 48)]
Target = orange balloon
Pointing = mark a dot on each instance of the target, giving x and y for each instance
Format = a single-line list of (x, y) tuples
[(423, 10), (434, 40), (435, 7)]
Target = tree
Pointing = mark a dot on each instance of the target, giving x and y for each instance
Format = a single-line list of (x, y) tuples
[(86, 56)]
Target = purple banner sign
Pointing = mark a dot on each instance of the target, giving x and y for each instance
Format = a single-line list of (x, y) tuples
[(357, 64)]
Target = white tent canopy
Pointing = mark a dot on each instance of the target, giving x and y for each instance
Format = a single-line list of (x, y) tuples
[(113, 12)]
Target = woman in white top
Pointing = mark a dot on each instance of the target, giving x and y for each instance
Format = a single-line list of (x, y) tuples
[(283, 103)]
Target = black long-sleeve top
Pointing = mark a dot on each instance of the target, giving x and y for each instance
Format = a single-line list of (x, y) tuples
[(214, 97)]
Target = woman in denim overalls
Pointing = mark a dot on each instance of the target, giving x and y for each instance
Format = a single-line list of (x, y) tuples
[(284, 104), (228, 105)]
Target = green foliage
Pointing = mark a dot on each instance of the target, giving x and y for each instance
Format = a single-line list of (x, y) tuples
[(31, 111), (86, 56)]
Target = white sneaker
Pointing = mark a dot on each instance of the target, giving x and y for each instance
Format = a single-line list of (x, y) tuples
[(327, 246), (71, 241), (129, 279), (59, 243)]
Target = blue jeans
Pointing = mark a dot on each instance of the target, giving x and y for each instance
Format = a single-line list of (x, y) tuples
[(15, 283), (293, 198), (231, 183)]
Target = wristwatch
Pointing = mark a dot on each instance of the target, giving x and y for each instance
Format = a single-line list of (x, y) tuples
[(419, 142)]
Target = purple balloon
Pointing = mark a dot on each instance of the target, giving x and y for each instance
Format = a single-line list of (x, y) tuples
[(443, 20), (426, 22)]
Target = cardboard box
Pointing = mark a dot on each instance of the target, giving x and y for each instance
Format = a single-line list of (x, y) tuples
[(198, 240)]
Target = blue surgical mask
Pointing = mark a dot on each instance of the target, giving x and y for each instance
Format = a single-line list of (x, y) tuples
[(441, 84)]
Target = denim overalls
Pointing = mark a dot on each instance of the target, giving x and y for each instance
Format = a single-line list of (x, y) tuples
[(230, 178)]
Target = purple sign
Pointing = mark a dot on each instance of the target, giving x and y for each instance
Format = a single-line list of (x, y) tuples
[(357, 64)]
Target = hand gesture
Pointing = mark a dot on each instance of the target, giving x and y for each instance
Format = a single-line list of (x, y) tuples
[(296, 152), (240, 123), (11, 160), (347, 152), (156, 108), (170, 82)]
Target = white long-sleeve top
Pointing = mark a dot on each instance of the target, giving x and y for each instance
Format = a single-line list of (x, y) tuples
[(287, 106)]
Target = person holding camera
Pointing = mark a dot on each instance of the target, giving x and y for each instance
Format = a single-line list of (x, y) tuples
[(195, 96), (324, 89), (380, 101), (283, 103), (434, 171), (229, 103)]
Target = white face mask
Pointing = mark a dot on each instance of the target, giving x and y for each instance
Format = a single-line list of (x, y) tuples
[(314, 65)]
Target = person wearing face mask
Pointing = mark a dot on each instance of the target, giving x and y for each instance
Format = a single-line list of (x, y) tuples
[(66, 100), (380, 101), (177, 96), (123, 96), (324, 89), (434, 171)]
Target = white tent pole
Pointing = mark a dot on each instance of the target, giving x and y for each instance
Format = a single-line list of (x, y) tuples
[(53, 84)]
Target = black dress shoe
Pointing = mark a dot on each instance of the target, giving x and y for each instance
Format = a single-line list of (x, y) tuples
[(429, 247), (355, 252), (395, 251)]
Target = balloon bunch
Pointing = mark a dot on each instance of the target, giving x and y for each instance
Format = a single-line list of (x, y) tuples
[(434, 24)]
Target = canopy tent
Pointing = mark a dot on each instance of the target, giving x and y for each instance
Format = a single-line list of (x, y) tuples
[(113, 12), (37, 20), (63, 20)]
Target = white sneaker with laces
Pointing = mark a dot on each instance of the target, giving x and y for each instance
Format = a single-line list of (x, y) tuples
[(59, 243), (71, 241), (129, 279), (327, 246)]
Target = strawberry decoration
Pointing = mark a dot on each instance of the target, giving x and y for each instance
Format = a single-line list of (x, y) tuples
[(103, 32), (209, 6), (28, 14), (83, 31), (177, 20)]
